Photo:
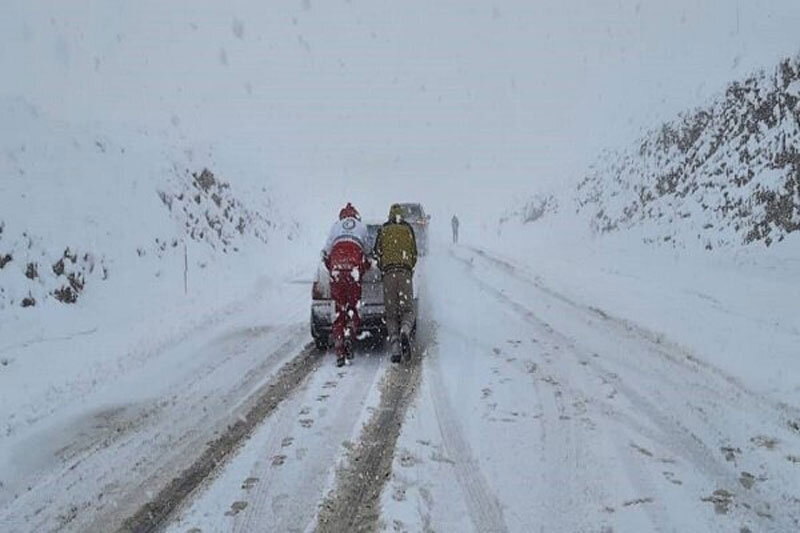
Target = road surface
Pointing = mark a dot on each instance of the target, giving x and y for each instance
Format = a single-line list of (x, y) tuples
[(522, 410)]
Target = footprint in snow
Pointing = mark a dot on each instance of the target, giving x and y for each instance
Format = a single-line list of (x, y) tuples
[(399, 494), (249, 483), (279, 502), (747, 480), (439, 457), (641, 450), (306, 422), (721, 499), (287, 442), (278, 460), (407, 459), (236, 508), (637, 501), (730, 453), (550, 380), (763, 441)]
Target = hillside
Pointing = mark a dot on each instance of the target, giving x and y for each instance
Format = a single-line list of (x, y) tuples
[(83, 207), (723, 175)]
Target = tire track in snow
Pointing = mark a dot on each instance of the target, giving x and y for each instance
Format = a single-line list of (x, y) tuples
[(674, 434), (153, 515), (112, 460), (354, 504), (484, 508), (666, 349), (562, 447), (354, 383)]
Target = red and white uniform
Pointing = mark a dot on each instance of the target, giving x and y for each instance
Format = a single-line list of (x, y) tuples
[(346, 262)]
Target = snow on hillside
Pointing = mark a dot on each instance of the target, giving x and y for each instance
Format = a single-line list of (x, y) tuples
[(691, 233), (725, 174), (83, 206)]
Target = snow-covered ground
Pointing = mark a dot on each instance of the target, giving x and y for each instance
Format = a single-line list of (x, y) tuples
[(737, 307), (554, 399), (86, 443), (551, 398), (605, 357)]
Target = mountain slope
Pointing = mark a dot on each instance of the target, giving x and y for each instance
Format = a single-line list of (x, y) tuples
[(722, 175), (82, 206)]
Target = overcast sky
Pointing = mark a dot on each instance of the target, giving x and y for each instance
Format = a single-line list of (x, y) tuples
[(459, 103)]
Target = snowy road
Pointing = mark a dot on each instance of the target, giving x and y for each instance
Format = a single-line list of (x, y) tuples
[(539, 413), (525, 411), (101, 451)]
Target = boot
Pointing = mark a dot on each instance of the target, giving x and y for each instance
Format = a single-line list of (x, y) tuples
[(340, 352), (405, 341), (348, 349), (396, 352)]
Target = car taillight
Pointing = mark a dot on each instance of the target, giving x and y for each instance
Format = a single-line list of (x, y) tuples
[(316, 291)]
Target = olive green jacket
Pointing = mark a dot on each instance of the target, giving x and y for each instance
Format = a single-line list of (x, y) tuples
[(396, 246)]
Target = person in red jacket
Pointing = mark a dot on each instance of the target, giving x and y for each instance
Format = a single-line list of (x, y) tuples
[(346, 261)]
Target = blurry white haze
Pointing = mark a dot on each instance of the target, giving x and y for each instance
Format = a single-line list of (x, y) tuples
[(457, 104), (611, 346)]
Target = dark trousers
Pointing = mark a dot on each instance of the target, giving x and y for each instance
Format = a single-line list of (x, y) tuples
[(398, 300)]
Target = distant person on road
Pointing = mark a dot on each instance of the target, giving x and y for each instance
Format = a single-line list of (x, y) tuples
[(454, 223), (346, 262), (396, 252)]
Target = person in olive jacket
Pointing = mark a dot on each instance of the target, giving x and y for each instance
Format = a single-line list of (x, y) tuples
[(396, 253)]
